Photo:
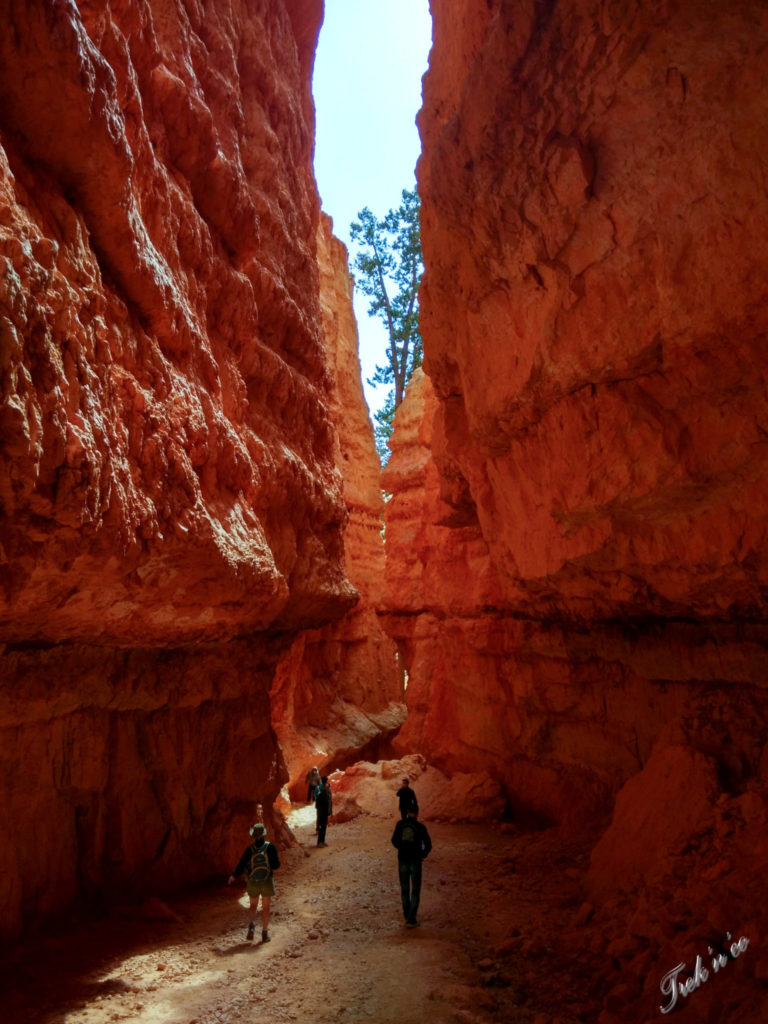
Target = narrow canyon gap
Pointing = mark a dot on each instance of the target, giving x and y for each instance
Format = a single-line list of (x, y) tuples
[(194, 600)]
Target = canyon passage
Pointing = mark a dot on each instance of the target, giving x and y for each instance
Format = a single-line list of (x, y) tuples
[(204, 594), (338, 949)]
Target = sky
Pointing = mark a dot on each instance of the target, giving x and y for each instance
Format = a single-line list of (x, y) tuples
[(367, 87)]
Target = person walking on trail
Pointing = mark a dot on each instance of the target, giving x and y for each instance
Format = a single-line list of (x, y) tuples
[(406, 798), (324, 808), (413, 845), (313, 781), (259, 861)]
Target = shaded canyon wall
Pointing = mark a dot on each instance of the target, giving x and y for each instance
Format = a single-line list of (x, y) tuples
[(173, 513), (576, 544)]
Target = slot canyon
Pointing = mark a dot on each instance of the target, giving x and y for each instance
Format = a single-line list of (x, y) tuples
[(550, 609)]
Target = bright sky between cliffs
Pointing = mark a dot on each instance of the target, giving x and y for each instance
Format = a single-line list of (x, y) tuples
[(367, 87)]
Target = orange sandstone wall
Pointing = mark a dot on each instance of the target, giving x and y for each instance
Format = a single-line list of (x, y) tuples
[(592, 467), (594, 226), (171, 509), (491, 688), (337, 690), (163, 373), (593, 316)]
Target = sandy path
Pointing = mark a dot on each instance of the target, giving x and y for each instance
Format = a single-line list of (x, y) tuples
[(339, 949)]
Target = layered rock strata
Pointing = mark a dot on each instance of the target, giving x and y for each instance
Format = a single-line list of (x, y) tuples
[(171, 509), (593, 315), (337, 691)]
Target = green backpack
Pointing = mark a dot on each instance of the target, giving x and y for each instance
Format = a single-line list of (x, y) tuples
[(409, 836), (259, 868)]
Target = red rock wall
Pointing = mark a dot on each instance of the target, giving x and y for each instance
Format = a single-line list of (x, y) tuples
[(594, 315), (171, 509), (591, 217), (489, 687), (163, 373), (593, 321), (338, 688)]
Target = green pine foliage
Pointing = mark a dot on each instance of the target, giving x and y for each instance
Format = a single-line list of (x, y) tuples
[(389, 265)]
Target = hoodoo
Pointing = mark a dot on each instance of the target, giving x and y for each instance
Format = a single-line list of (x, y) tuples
[(577, 539)]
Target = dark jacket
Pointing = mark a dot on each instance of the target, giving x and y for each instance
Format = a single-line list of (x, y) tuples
[(324, 799), (406, 799), (411, 852), (245, 860)]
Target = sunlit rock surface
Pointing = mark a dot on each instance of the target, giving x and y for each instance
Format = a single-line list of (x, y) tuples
[(167, 466), (171, 509), (337, 690), (593, 316)]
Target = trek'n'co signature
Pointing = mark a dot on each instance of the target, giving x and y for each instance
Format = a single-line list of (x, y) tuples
[(673, 986)]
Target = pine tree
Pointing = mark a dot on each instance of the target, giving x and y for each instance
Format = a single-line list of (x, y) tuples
[(390, 266)]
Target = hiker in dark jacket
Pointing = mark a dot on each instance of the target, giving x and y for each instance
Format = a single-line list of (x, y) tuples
[(406, 798), (259, 861), (312, 780), (324, 809), (413, 845)]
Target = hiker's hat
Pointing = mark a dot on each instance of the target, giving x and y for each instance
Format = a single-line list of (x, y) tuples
[(258, 830)]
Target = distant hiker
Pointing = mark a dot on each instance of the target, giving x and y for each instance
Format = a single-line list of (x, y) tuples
[(324, 808), (413, 845), (259, 860), (313, 781), (406, 798)]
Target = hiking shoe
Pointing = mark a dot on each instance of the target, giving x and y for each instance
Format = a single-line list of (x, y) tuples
[(264, 935), (249, 933)]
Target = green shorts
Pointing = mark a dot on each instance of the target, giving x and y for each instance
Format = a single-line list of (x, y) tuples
[(266, 887)]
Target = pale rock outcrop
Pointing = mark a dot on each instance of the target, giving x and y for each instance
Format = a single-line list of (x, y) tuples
[(371, 788)]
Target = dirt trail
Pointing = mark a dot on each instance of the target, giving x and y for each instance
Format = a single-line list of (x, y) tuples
[(339, 949)]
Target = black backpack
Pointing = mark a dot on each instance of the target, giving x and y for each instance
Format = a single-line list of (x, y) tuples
[(259, 869)]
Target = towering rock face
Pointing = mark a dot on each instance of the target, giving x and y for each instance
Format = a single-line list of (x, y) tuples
[(593, 316), (163, 373), (591, 219), (167, 458), (337, 689)]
